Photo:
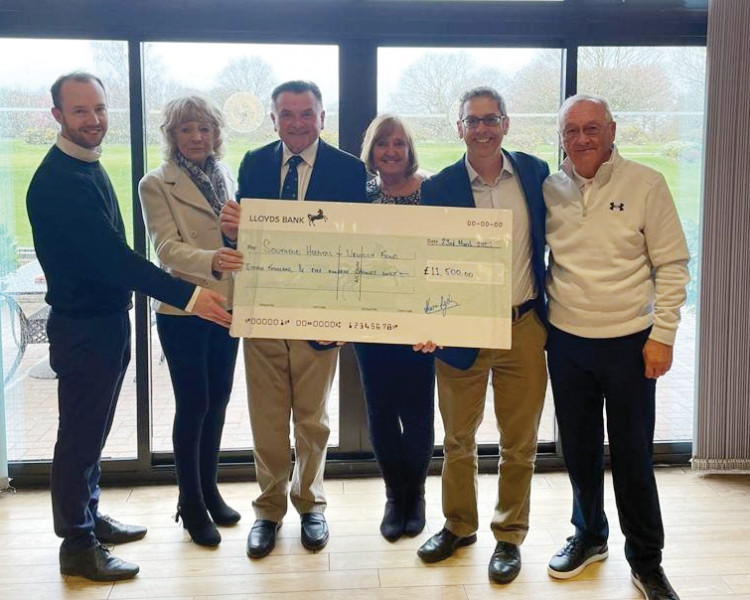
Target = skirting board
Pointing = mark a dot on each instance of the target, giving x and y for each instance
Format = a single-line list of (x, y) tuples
[(722, 465)]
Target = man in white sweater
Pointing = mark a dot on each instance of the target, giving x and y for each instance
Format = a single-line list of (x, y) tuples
[(616, 282)]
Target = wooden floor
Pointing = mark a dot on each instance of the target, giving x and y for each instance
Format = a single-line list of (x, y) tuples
[(707, 554)]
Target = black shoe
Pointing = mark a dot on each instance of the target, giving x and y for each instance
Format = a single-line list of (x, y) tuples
[(221, 513), (314, 531), (394, 516), (200, 527), (415, 511), (505, 564), (442, 545), (654, 585), (262, 538), (97, 564), (573, 557), (109, 531)]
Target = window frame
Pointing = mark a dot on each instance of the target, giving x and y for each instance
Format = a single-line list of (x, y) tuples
[(358, 27)]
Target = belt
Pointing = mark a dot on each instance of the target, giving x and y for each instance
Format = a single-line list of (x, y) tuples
[(522, 309)]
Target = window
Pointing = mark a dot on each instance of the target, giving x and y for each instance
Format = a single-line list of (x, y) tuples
[(657, 97), (239, 78), (423, 85), (27, 130)]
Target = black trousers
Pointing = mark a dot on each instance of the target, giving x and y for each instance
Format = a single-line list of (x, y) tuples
[(90, 357), (399, 386), (587, 375), (201, 357)]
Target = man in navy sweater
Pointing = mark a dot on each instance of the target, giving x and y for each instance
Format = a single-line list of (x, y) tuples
[(90, 270)]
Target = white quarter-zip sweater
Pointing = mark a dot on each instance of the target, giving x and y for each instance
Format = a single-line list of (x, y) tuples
[(618, 263)]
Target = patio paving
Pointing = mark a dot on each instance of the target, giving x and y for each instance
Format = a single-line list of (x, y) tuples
[(31, 407)]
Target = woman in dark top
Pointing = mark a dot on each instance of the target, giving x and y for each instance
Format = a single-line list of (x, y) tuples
[(399, 384)]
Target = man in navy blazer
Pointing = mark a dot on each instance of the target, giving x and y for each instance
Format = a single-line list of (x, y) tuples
[(489, 177), (292, 378)]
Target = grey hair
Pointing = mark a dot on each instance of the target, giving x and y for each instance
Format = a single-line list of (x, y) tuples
[(569, 102), (482, 92), (191, 108)]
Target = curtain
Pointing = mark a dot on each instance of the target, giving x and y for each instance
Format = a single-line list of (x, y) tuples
[(722, 432)]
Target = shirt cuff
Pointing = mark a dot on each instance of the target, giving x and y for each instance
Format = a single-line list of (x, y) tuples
[(193, 299)]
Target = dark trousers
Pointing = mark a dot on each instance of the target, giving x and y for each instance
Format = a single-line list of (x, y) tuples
[(201, 357), (90, 357), (588, 374), (399, 386)]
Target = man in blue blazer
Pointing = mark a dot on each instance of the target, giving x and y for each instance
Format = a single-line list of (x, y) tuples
[(292, 378), (489, 177)]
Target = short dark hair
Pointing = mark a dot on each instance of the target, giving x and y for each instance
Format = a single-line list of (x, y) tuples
[(79, 76), (297, 86), (482, 92)]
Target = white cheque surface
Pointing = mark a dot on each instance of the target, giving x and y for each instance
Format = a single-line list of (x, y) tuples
[(374, 273)]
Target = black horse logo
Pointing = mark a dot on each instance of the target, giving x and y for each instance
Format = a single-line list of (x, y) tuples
[(316, 217)]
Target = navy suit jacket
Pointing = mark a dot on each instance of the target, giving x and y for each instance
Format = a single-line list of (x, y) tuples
[(336, 175), (451, 187)]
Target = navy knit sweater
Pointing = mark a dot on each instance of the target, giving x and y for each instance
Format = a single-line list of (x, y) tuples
[(80, 242)]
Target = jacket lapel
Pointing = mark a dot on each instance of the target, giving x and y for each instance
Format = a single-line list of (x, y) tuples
[(529, 185), (184, 190), (318, 173), (460, 186)]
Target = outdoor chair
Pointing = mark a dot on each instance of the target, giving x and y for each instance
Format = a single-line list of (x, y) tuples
[(25, 329)]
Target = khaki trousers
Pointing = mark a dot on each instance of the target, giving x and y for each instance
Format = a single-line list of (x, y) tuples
[(288, 379), (519, 381)]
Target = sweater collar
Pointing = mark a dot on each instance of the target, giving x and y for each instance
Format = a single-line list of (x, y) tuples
[(72, 149)]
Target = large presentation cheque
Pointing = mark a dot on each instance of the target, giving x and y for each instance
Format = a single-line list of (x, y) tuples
[(374, 273)]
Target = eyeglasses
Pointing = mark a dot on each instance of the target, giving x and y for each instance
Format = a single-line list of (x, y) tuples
[(570, 134), (488, 121)]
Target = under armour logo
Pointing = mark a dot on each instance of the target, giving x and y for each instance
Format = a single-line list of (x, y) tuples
[(613, 206)]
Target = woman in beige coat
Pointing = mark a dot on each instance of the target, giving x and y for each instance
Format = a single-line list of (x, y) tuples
[(181, 202)]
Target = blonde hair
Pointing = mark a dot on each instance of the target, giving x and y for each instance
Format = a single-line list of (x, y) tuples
[(186, 109), (381, 127)]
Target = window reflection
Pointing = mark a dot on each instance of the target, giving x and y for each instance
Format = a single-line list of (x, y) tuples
[(423, 85), (657, 99), (240, 79), (27, 130)]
